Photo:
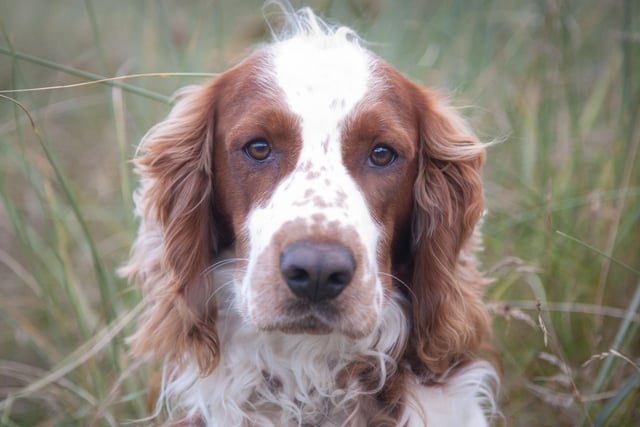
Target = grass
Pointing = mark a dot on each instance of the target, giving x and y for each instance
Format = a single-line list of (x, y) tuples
[(556, 82)]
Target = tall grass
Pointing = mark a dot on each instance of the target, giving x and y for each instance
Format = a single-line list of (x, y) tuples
[(555, 81)]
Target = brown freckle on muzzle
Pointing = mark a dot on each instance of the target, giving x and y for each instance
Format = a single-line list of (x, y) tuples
[(312, 175), (318, 218), (319, 202)]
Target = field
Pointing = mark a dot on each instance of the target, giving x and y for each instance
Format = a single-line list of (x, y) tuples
[(555, 84)]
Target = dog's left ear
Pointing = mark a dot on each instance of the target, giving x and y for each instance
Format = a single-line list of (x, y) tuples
[(449, 317)]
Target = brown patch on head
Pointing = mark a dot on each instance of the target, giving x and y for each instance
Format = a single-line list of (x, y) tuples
[(387, 116), (253, 110)]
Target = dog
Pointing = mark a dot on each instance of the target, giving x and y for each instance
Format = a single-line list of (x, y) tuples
[(306, 248)]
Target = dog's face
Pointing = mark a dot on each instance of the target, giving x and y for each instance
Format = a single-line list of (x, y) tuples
[(314, 171), (335, 180)]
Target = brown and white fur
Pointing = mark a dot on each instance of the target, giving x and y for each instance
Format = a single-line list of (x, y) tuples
[(306, 245)]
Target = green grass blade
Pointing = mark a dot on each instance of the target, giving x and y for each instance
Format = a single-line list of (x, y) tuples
[(599, 252), (103, 279), (630, 386), (86, 75), (605, 371), (82, 354)]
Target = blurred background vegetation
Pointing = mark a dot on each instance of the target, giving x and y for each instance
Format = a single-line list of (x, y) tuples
[(557, 82)]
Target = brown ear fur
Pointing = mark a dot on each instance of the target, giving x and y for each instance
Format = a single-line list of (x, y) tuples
[(449, 317), (177, 238)]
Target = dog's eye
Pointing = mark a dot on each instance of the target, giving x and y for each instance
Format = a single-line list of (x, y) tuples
[(382, 156), (258, 149)]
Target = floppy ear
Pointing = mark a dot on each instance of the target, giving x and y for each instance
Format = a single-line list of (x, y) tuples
[(177, 236), (449, 317)]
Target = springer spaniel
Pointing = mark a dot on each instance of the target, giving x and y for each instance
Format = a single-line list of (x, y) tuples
[(306, 245)]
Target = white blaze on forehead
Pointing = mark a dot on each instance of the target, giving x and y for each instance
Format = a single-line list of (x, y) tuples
[(322, 77), (321, 74)]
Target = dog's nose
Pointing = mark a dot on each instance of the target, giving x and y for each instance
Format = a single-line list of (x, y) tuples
[(317, 271)]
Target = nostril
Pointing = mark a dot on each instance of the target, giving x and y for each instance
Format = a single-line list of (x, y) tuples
[(339, 278), (299, 274), (317, 270), (296, 275)]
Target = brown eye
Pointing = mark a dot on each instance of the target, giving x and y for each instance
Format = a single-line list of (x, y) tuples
[(258, 149), (381, 156)]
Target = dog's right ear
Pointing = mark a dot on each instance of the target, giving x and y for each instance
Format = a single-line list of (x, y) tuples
[(177, 237)]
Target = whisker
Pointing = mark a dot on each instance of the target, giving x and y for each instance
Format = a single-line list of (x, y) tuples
[(219, 264), (400, 281), (220, 287)]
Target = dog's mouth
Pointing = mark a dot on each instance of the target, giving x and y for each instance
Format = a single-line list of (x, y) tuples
[(306, 325), (319, 318)]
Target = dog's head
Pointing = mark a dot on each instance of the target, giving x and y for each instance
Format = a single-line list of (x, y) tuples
[(334, 179)]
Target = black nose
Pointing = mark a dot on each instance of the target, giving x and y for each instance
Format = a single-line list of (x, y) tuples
[(316, 270)]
